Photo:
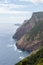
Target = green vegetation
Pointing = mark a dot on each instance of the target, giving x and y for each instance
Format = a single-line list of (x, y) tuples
[(34, 59), (40, 62)]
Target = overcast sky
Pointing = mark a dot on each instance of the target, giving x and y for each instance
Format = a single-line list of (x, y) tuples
[(13, 11)]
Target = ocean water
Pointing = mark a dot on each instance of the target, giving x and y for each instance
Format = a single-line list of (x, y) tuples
[(9, 54)]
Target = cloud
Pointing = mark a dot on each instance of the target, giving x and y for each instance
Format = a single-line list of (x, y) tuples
[(4, 10), (37, 1), (23, 0), (10, 12), (13, 5), (7, 8), (3, 1), (33, 1)]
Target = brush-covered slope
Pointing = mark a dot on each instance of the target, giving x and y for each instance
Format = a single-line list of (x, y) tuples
[(33, 59), (32, 40), (28, 25)]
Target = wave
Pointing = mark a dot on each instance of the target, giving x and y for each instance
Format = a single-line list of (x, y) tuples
[(21, 57)]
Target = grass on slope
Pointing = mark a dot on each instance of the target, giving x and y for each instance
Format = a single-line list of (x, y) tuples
[(34, 59)]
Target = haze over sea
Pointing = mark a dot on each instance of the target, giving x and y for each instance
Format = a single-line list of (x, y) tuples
[(9, 54)]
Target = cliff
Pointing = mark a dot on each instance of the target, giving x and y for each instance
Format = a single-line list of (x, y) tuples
[(32, 40), (26, 26), (30, 34)]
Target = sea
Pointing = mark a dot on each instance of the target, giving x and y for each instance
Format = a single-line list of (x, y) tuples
[(9, 54)]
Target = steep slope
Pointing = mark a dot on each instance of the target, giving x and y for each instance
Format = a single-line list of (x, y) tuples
[(32, 40), (28, 25), (33, 59)]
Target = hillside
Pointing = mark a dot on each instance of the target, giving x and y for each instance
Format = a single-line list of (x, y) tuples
[(28, 25), (33, 59), (32, 40)]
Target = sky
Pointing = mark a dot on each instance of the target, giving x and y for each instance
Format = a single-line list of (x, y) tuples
[(16, 11)]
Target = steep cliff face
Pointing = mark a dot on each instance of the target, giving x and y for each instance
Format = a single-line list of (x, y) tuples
[(32, 40), (30, 34), (26, 26)]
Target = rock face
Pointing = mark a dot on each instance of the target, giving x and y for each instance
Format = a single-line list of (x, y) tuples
[(26, 26), (30, 34), (29, 46), (33, 40)]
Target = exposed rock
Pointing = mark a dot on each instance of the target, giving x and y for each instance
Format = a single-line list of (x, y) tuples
[(29, 45), (30, 34), (27, 26)]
